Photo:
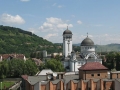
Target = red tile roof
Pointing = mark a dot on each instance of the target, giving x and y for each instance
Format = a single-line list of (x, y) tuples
[(93, 66), (18, 56)]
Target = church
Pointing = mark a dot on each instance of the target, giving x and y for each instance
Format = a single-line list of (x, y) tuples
[(71, 60)]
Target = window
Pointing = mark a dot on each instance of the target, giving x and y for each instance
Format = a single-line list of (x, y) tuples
[(92, 74), (98, 74)]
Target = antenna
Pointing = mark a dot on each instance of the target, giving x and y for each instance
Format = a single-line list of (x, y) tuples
[(54, 74), (49, 76)]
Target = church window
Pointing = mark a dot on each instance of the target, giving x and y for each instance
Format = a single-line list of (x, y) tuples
[(98, 74), (92, 75)]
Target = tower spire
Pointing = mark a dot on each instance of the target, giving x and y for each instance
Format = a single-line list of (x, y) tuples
[(87, 34), (67, 27)]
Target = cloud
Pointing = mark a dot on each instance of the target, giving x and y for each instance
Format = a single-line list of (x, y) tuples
[(54, 4), (73, 16), (54, 24), (9, 19), (32, 30), (107, 39), (24, 0), (60, 6), (101, 39), (98, 25), (79, 22), (51, 35)]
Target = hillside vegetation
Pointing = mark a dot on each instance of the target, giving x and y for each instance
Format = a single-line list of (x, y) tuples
[(15, 40)]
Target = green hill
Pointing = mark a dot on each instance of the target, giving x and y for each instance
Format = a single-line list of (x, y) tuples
[(108, 48), (15, 40)]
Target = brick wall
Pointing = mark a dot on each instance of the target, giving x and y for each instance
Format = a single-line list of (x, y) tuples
[(114, 75), (101, 74), (100, 85)]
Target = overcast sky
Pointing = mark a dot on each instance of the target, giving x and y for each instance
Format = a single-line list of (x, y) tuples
[(49, 18)]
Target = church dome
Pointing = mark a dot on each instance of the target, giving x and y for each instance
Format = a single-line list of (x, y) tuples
[(67, 31), (87, 42)]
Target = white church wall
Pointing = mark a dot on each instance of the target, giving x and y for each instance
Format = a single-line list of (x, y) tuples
[(72, 66), (76, 66), (87, 49), (70, 47), (66, 49)]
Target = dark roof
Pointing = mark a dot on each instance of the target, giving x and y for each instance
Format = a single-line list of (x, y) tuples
[(67, 32), (93, 66), (87, 42)]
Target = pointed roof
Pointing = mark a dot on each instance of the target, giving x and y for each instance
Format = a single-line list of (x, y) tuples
[(93, 66)]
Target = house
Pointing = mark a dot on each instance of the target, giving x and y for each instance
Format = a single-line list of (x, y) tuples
[(12, 56)]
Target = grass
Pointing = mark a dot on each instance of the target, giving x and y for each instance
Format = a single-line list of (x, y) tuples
[(6, 84)]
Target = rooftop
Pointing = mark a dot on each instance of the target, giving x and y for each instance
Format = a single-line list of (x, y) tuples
[(93, 66)]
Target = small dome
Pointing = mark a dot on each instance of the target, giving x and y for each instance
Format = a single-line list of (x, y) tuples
[(87, 42), (67, 31)]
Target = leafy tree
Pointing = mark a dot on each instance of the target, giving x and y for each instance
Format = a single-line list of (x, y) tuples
[(30, 68), (3, 69), (16, 68), (54, 65), (113, 60)]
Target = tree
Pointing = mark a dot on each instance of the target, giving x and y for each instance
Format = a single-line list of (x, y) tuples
[(30, 68), (113, 60), (54, 65), (16, 68), (3, 69)]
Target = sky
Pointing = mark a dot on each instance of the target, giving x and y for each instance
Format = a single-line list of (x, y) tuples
[(49, 18)]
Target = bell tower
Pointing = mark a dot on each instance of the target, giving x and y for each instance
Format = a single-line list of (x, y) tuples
[(67, 43)]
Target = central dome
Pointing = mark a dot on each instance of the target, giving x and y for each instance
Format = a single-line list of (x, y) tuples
[(87, 42)]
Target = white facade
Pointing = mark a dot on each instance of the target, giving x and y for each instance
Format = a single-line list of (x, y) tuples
[(87, 49), (67, 44)]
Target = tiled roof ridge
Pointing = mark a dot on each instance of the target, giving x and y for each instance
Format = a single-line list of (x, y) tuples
[(92, 66)]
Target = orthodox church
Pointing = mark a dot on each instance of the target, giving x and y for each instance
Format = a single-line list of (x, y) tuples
[(71, 60)]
